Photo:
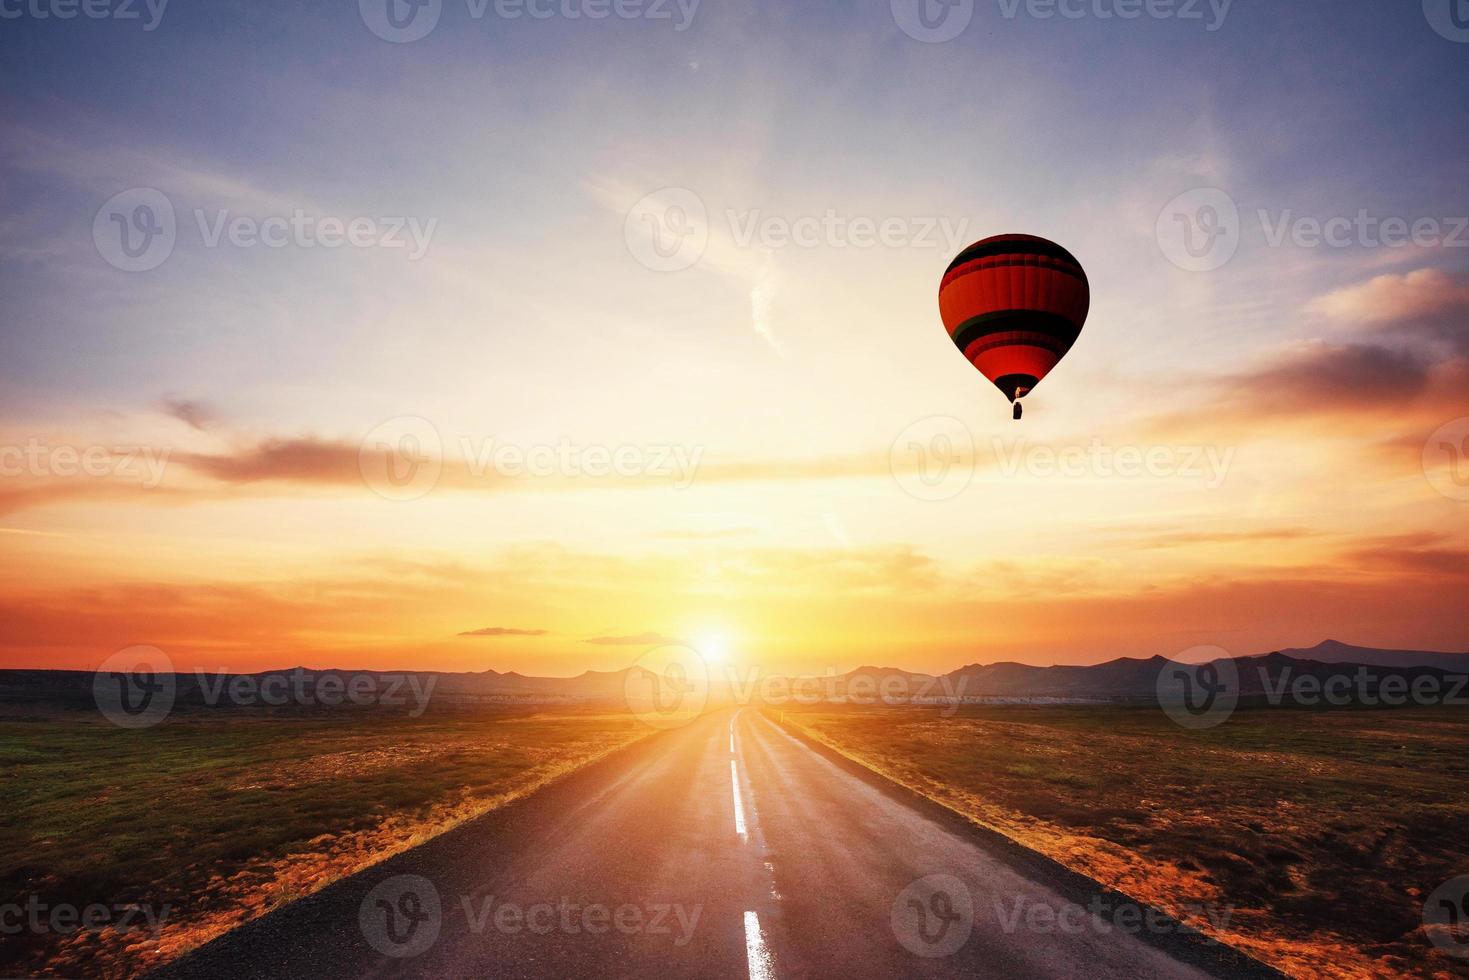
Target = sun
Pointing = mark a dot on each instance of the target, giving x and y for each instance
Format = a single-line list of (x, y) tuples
[(712, 646)]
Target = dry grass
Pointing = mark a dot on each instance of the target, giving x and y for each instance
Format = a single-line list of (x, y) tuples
[(223, 819), (1321, 833)]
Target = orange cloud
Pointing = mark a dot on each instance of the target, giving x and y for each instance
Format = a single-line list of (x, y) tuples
[(1394, 298)]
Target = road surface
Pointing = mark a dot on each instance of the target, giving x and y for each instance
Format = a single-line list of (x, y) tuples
[(725, 848)]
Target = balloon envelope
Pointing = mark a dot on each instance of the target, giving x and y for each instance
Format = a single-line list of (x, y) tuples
[(1014, 305)]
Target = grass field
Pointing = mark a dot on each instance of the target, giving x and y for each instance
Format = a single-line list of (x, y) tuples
[(221, 817), (1319, 833)]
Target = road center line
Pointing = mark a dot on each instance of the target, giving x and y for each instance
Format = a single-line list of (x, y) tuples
[(739, 809), (755, 951)]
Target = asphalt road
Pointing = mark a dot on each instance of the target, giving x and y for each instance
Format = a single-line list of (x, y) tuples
[(726, 848)]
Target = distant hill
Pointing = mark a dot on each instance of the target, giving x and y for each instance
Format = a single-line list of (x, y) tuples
[(1127, 679), (1337, 652)]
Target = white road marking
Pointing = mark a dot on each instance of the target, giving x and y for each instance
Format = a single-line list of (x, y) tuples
[(731, 736), (755, 951), (739, 809)]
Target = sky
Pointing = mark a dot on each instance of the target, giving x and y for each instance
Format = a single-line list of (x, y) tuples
[(529, 335)]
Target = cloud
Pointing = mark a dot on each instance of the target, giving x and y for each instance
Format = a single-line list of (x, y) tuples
[(640, 640), (302, 460), (503, 631), (1185, 538), (197, 414), (1395, 298), (1411, 554), (1316, 378)]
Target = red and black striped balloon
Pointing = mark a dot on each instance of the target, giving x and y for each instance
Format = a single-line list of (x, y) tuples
[(1014, 304)]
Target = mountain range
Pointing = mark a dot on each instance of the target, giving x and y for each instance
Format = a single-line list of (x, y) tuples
[(1124, 678)]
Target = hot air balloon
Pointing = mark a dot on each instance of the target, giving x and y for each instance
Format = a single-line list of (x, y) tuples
[(1014, 305)]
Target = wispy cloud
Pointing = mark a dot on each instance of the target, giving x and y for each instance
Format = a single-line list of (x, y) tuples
[(636, 640), (503, 631)]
